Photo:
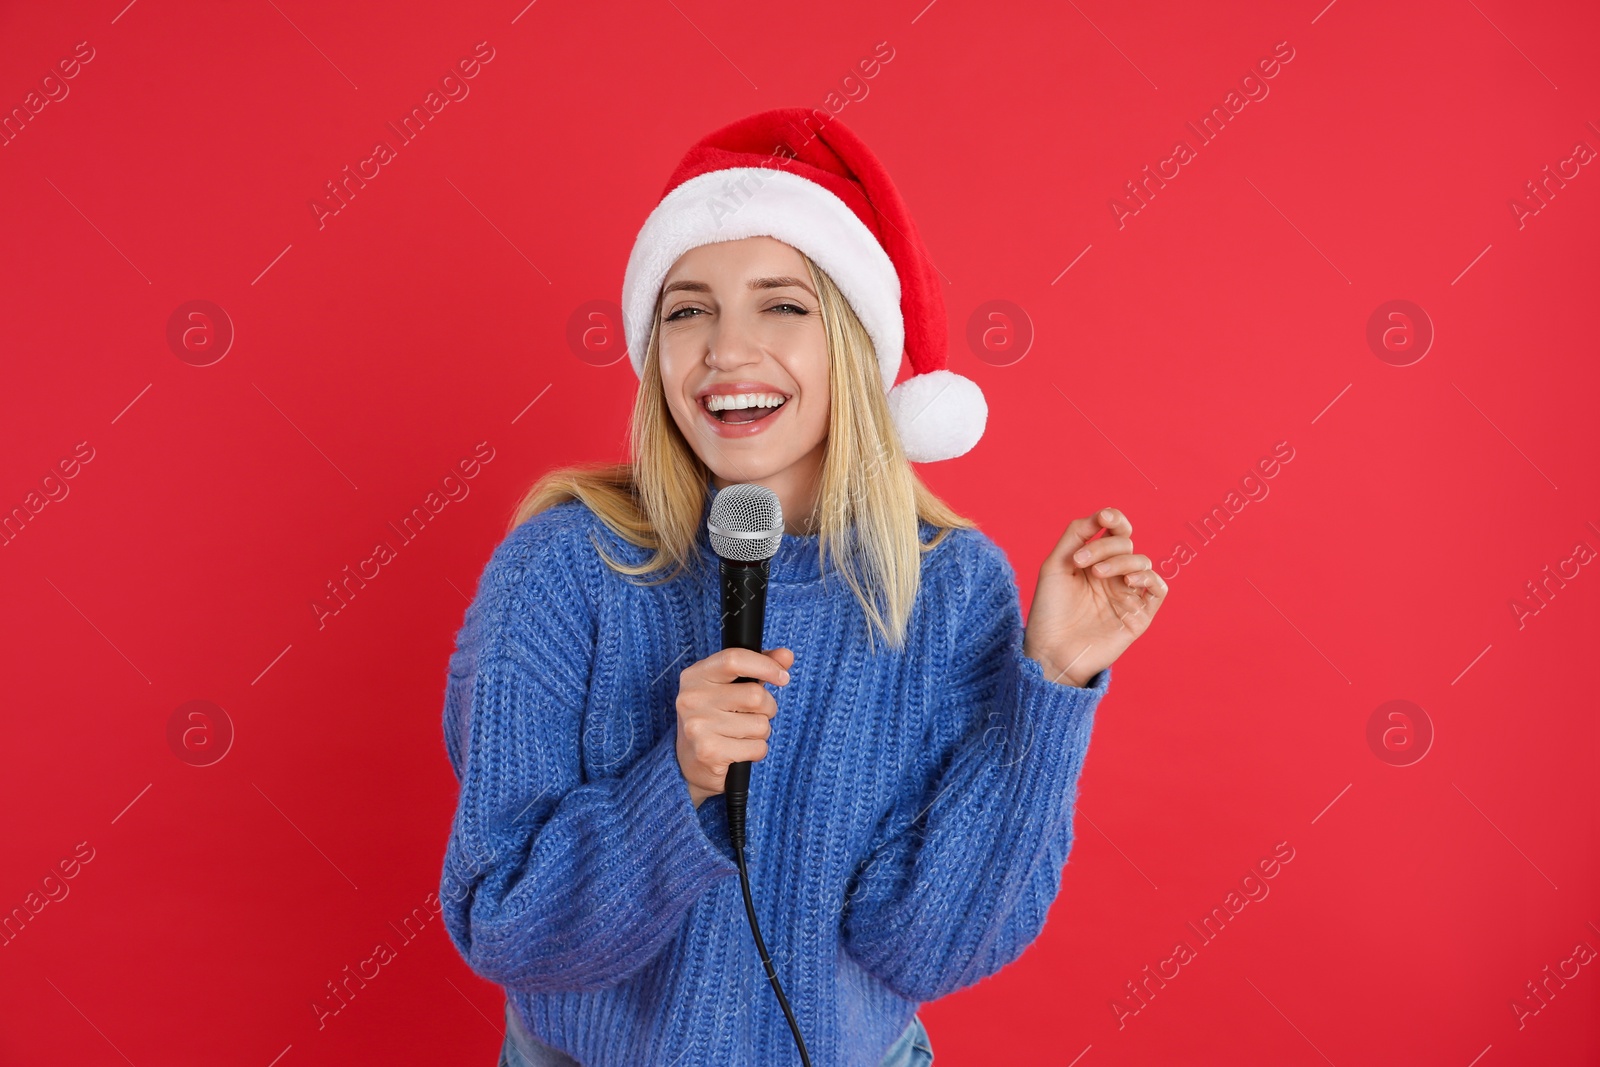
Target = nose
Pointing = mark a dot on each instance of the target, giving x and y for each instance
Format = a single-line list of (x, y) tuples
[(732, 344)]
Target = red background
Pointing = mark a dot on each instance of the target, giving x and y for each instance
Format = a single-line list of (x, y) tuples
[(373, 353)]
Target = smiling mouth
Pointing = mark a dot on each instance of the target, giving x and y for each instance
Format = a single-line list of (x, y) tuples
[(741, 416)]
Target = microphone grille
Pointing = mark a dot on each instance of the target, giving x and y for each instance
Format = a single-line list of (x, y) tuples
[(746, 523)]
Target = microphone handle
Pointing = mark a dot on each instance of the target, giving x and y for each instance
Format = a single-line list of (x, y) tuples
[(744, 611)]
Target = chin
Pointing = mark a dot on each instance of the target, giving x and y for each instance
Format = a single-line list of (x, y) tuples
[(751, 459), (752, 468)]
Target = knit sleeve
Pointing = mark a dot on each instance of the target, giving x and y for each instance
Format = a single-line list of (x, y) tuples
[(966, 865), (551, 882)]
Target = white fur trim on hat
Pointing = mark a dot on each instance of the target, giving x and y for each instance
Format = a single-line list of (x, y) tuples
[(940, 415), (739, 202)]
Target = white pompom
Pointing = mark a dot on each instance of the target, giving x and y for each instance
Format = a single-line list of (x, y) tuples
[(940, 415)]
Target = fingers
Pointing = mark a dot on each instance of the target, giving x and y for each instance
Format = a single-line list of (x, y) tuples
[(745, 698), (1147, 581), (743, 751), (733, 663), (1080, 532), (722, 720), (1125, 563), (1099, 550), (709, 751), (1115, 521), (740, 725)]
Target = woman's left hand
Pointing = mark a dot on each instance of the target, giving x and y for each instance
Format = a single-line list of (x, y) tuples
[(1093, 599)]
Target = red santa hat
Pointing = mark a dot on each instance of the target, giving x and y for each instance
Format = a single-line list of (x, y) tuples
[(803, 177)]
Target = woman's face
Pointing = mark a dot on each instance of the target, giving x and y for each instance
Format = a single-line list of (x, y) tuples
[(741, 331)]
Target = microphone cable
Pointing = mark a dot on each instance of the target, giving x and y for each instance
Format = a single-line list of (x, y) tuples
[(736, 792)]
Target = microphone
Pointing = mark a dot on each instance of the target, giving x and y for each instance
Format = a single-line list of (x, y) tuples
[(746, 528)]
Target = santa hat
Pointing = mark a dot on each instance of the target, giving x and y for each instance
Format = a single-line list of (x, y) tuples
[(803, 177)]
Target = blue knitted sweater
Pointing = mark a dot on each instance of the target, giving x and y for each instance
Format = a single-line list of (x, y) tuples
[(906, 831)]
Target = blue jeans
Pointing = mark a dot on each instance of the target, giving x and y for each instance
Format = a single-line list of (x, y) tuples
[(522, 1049)]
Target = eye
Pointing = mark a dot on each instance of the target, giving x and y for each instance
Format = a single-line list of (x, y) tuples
[(679, 314), (787, 304)]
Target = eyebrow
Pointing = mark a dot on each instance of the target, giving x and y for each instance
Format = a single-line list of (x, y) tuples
[(780, 282)]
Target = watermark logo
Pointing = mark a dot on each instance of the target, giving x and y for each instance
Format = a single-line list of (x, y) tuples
[(1541, 190), (52, 490), (1399, 332), (199, 332), (52, 90), (735, 195), (453, 488), (1549, 583), (199, 733), (453, 88), (1253, 88), (999, 332), (1399, 733), (1543, 990), (352, 980), (594, 333), (53, 889), (1253, 489), (1253, 888)]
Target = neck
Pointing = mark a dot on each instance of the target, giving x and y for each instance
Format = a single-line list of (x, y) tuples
[(796, 487)]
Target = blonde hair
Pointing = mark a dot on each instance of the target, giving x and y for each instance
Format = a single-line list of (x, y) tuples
[(869, 503)]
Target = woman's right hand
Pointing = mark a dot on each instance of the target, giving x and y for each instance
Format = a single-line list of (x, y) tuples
[(722, 722)]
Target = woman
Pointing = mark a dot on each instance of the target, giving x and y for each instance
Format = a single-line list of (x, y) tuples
[(911, 807)]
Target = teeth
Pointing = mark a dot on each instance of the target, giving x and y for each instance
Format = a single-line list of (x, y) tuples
[(715, 402)]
